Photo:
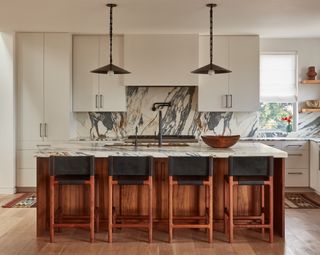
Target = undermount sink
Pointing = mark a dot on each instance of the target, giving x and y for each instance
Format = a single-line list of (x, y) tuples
[(166, 139), (142, 144)]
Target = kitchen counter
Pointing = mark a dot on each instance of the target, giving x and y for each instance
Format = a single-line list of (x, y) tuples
[(101, 150), (189, 199)]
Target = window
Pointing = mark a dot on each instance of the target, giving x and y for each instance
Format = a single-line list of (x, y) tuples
[(278, 92)]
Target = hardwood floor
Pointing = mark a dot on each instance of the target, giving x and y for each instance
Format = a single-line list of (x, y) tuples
[(18, 236)]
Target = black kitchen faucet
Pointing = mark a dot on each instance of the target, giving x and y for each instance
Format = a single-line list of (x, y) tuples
[(159, 106)]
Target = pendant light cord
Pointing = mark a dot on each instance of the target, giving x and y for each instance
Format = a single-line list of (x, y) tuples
[(211, 34), (110, 34)]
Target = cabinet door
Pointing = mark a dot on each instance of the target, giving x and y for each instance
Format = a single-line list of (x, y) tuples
[(161, 60), (30, 60), (314, 165), (111, 88), (213, 88), (244, 79), (57, 85), (85, 84)]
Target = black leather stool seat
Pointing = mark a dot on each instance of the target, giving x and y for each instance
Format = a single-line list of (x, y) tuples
[(251, 166), (72, 180), (197, 167)]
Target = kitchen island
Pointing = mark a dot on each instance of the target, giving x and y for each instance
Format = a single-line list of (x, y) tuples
[(189, 198)]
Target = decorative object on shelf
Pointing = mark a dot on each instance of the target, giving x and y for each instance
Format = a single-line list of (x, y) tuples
[(313, 104), (311, 73), (211, 68), (110, 68), (220, 141), (288, 119)]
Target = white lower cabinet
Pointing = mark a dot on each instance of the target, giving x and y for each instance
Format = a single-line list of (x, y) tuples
[(315, 166), (297, 163)]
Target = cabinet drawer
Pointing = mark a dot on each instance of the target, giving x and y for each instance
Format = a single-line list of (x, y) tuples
[(297, 177), (297, 159), (295, 145)]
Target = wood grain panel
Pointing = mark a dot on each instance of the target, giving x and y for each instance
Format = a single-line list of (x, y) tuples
[(132, 200)]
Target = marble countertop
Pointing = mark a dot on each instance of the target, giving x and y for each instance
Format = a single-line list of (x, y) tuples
[(242, 148)]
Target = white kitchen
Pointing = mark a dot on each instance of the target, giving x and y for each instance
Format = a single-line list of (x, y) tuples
[(200, 96)]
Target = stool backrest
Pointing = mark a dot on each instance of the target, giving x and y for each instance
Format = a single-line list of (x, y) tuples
[(71, 165), (134, 166), (251, 166), (192, 166)]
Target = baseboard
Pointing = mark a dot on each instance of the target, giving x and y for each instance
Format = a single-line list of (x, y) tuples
[(26, 189), (8, 191)]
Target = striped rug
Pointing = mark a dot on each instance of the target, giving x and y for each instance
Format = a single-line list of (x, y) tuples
[(25, 200), (306, 200)]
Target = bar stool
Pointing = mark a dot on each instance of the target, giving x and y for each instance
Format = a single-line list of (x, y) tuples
[(249, 171), (130, 171), (71, 170), (191, 171)]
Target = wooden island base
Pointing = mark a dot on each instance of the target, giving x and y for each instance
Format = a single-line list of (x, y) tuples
[(133, 200)]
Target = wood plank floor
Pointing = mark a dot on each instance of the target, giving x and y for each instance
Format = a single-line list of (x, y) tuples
[(18, 227)]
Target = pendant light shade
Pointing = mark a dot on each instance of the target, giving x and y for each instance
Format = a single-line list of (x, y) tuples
[(211, 68), (110, 68)]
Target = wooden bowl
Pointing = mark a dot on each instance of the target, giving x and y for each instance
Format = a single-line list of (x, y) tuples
[(220, 141)]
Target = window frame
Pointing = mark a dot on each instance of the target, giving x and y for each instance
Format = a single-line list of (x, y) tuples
[(295, 103)]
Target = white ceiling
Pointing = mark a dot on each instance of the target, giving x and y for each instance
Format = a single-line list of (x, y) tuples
[(268, 18)]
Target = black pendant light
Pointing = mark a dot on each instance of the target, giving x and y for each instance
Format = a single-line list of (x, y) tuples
[(111, 68), (211, 68)]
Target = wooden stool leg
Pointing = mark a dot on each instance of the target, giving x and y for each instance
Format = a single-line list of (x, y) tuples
[(263, 214), (230, 209), (271, 209), (170, 208), (225, 207), (59, 206), (92, 200), (97, 206), (150, 209), (210, 230), (52, 209), (110, 186)]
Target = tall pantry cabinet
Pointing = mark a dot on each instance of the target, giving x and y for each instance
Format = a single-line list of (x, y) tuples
[(43, 96)]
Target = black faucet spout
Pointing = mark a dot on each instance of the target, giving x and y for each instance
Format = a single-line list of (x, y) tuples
[(159, 106)]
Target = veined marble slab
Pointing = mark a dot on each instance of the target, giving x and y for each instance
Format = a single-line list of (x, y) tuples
[(195, 150)]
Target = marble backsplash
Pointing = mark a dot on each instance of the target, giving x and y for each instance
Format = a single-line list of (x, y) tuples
[(182, 118)]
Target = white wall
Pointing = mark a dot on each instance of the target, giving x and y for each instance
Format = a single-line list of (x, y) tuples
[(7, 114), (308, 50)]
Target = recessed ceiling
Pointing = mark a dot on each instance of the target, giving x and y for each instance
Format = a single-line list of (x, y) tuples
[(268, 18)]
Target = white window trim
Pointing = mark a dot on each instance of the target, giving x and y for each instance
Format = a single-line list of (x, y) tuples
[(295, 104)]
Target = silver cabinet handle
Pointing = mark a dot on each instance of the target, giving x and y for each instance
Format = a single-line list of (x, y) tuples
[(226, 99), (319, 162), (40, 129), (101, 101), (231, 100), (296, 173), (45, 130), (294, 145), (296, 154), (97, 100), (43, 145)]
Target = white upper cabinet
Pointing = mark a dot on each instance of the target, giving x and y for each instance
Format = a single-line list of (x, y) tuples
[(235, 91), (97, 92), (43, 86), (161, 60), (213, 88), (29, 85)]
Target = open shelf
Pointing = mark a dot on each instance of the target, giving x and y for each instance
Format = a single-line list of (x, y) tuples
[(310, 82), (310, 110)]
